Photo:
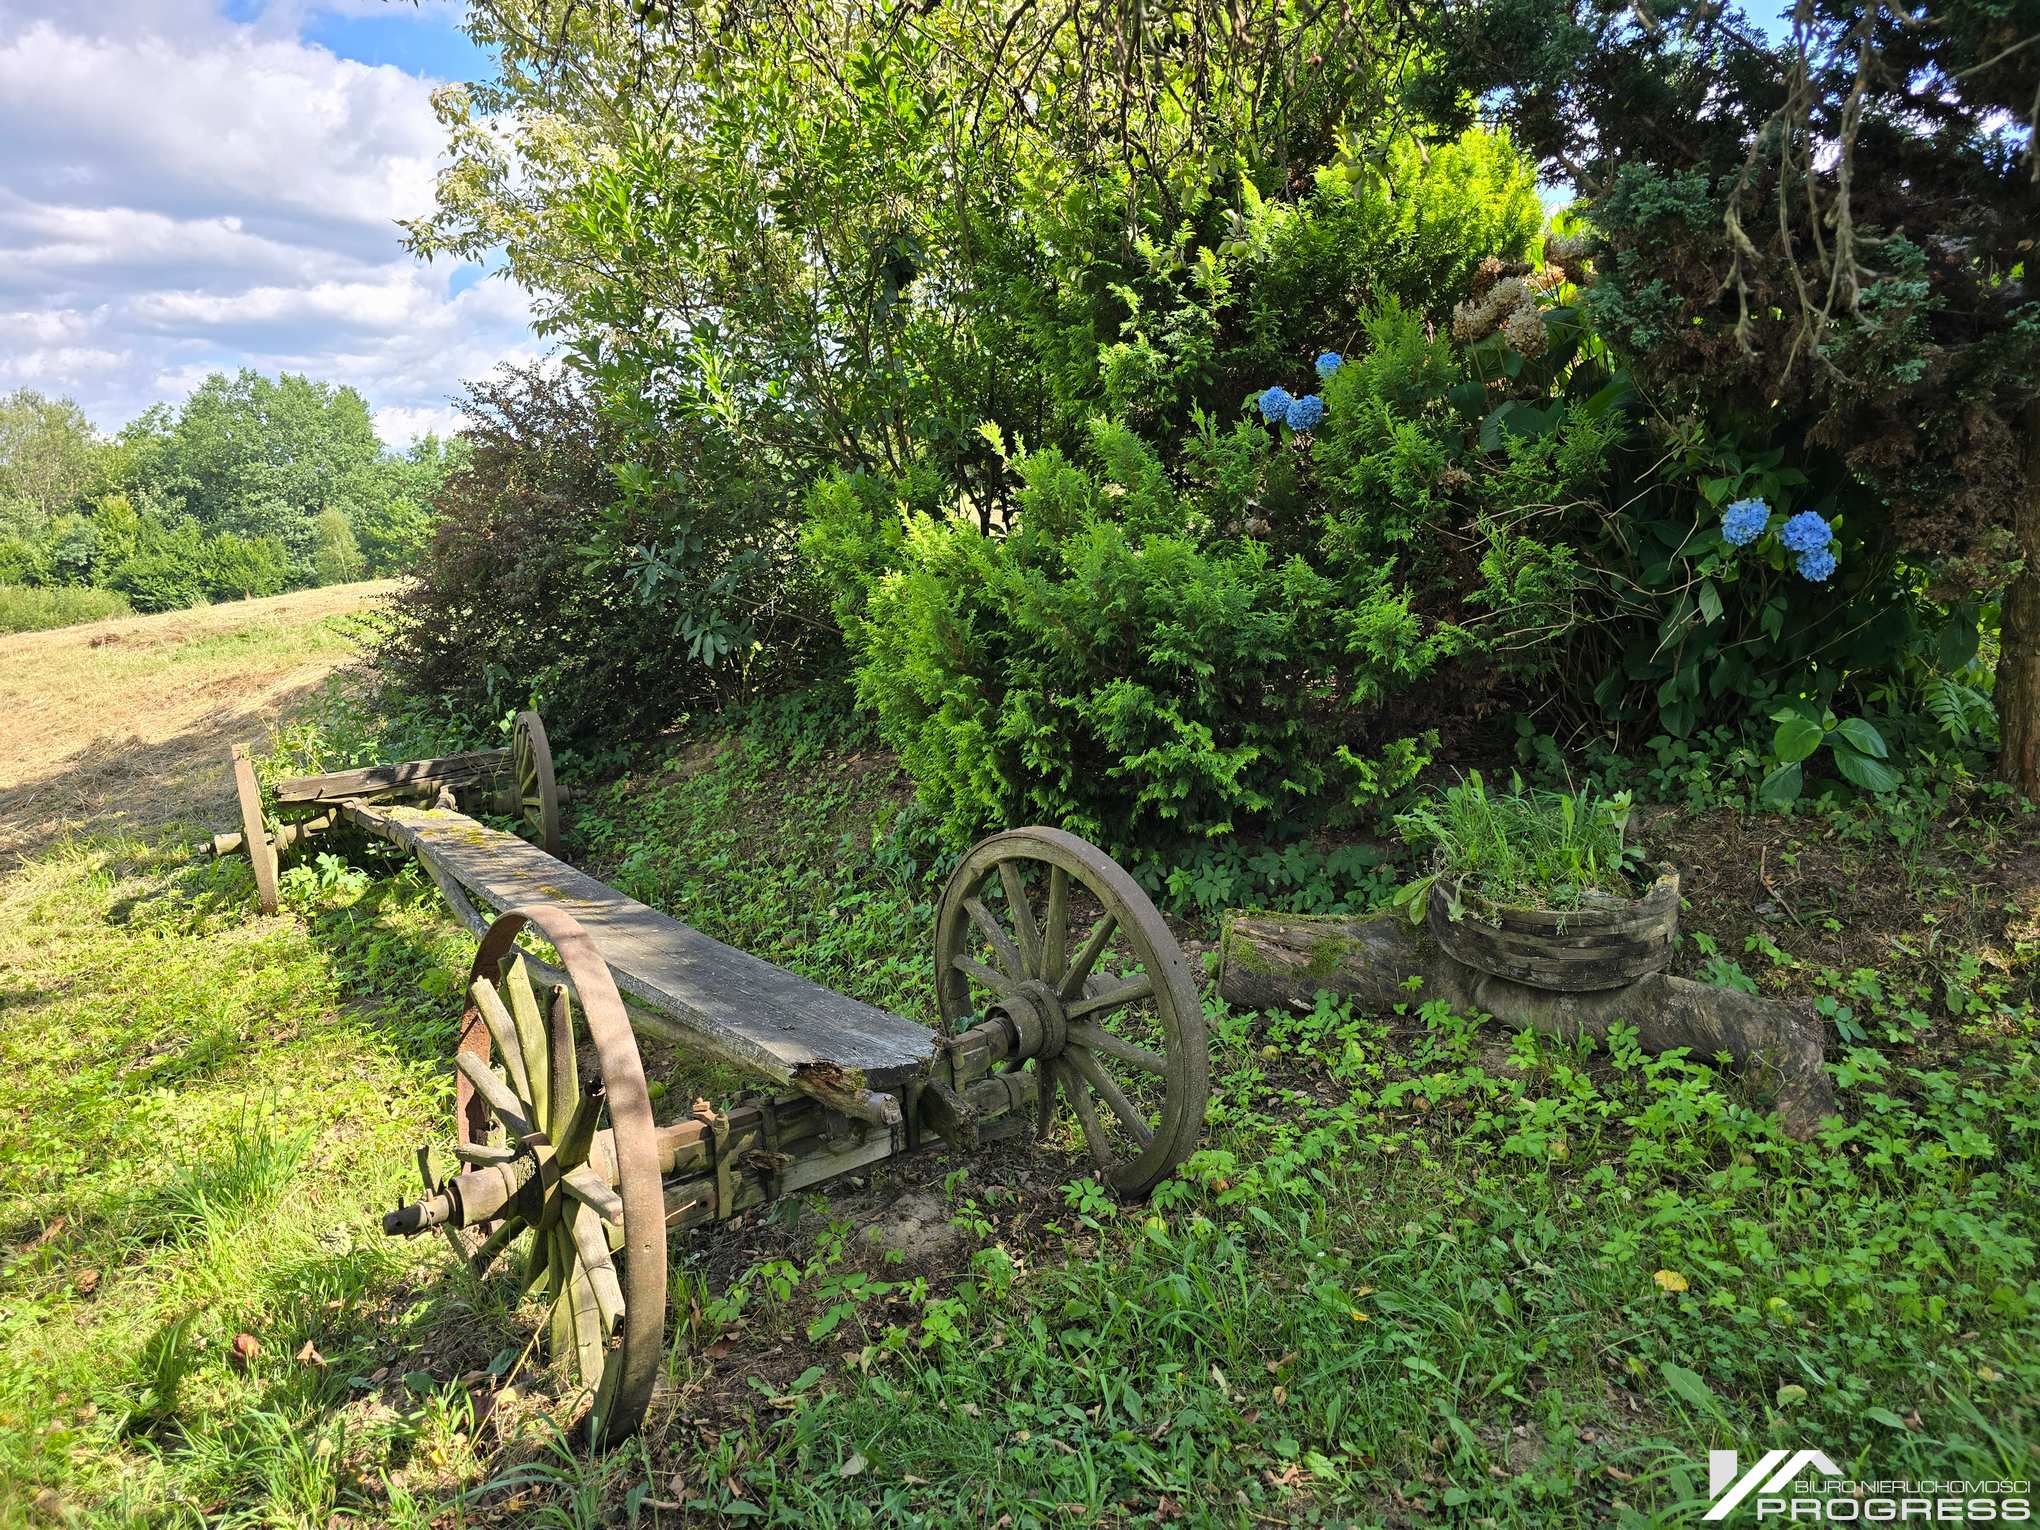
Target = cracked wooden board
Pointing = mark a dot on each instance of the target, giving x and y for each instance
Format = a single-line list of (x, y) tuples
[(741, 1007)]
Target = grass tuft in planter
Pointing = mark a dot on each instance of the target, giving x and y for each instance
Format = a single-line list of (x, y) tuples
[(1540, 887)]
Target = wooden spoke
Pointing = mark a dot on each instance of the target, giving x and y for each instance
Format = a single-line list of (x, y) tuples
[(550, 1264), (1106, 1087), (1044, 1107), (531, 1041), (481, 1154), (591, 1247), (588, 1350), (490, 1086), (589, 1188), (503, 1031), (1022, 914), (561, 1075), (987, 922), (994, 980), (1095, 1038), (1055, 928), (1087, 958), (1142, 987), (1087, 1113)]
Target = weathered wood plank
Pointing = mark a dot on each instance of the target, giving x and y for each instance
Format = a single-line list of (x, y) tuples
[(339, 785), (744, 1008)]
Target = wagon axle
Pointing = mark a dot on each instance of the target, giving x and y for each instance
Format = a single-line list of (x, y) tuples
[(713, 1166)]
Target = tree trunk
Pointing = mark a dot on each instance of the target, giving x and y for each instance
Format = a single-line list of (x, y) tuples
[(2018, 671), (1280, 960)]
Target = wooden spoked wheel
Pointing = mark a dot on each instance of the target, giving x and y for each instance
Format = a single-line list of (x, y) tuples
[(538, 797), (1049, 930), (255, 836), (592, 1235)]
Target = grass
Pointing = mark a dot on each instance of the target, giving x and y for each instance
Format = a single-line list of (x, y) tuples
[(123, 723), (1524, 846), (1418, 1270), (33, 608)]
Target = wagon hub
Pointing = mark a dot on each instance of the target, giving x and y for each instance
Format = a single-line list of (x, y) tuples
[(1040, 1026)]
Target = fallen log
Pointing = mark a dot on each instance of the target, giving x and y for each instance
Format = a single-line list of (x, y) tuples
[(1283, 960)]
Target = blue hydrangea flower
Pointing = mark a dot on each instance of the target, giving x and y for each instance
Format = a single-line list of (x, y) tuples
[(1744, 521), (1306, 412), (1816, 565), (1329, 363), (1806, 532), (1275, 403)]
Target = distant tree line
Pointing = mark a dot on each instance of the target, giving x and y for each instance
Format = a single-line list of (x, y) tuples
[(251, 487)]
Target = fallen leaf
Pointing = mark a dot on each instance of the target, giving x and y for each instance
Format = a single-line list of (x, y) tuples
[(1670, 1280), (53, 1230), (246, 1347)]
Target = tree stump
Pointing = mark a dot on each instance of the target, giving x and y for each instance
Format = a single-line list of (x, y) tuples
[(1285, 960)]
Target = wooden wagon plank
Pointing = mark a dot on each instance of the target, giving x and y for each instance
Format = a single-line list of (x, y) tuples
[(739, 1006), (339, 785)]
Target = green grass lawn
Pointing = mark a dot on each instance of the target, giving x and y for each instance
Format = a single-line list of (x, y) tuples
[(1420, 1270)]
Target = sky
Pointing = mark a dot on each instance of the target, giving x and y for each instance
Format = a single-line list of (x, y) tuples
[(191, 186)]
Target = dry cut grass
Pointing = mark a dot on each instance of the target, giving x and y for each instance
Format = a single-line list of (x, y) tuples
[(128, 721)]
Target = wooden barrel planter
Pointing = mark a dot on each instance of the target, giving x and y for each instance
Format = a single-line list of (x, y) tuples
[(1605, 943)]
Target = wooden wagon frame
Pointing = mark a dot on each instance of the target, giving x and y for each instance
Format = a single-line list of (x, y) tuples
[(555, 1134)]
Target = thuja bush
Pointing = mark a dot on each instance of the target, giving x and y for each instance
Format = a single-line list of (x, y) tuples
[(1244, 632)]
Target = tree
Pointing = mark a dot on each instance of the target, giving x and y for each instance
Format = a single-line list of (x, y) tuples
[(785, 239), (336, 556), (50, 459), (390, 502), (257, 458), (1823, 240)]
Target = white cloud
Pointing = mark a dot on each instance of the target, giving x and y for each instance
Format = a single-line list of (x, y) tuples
[(181, 193), (399, 424)]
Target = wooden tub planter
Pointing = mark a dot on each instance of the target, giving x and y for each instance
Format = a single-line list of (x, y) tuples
[(1607, 942)]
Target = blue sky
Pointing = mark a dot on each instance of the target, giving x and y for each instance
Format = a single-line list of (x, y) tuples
[(192, 185)]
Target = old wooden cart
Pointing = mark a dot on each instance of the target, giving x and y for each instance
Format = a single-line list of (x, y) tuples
[(1055, 979)]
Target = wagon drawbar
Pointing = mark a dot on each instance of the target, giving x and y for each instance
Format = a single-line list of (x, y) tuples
[(1056, 981)]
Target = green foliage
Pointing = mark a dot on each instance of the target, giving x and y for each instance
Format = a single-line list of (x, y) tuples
[(514, 599), (257, 458), (1522, 847), (25, 608), (877, 270), (336, 555), (50, 460), (1773, 273), (250, 488), (1103, 667)]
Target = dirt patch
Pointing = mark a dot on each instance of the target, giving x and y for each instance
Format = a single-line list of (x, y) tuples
[(126, 722)]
